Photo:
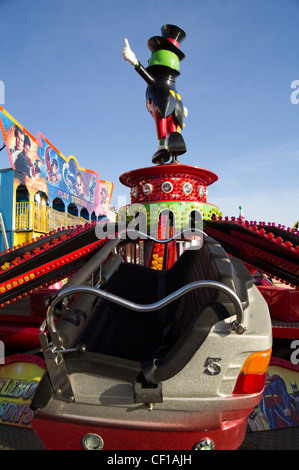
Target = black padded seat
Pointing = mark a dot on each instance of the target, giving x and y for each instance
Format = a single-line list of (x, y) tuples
[(120, 332)]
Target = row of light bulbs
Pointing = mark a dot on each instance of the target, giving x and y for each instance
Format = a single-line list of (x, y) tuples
[(167, 188)]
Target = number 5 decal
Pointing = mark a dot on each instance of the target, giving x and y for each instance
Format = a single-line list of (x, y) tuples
[(212, 366)]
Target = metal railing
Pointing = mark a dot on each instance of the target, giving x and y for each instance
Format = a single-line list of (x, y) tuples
[(41, 218)]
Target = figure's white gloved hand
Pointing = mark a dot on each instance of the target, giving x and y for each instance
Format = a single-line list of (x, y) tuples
[(185, 112), (129, 54)]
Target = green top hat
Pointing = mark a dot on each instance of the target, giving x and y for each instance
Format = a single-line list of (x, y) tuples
[(170, 40)]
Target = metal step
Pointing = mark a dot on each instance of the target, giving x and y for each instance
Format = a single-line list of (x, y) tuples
[(277, 439), (18, 438)]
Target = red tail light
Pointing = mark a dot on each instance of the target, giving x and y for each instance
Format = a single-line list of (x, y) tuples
[(253, 374)]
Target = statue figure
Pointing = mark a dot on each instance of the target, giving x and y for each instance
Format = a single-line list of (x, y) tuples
[(162, 100)]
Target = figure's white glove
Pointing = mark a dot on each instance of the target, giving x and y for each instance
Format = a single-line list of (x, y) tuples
[(185, 112), (129, 54)]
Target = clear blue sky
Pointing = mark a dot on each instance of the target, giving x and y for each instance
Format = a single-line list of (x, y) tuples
[(64, 74)]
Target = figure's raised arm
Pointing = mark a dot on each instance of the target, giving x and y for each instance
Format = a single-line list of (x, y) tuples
[(129, 54), (130, 57)]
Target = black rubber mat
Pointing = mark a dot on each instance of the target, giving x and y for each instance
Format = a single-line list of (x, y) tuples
[(17, 438), (278, 439)]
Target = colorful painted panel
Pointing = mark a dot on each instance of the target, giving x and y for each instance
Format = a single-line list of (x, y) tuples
[(45, 167), (279, 407), (19, 378)]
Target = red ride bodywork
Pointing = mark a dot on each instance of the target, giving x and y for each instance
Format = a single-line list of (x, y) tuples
[(68, 435)]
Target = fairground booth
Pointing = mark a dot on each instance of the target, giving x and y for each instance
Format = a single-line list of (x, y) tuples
[(41, 190)]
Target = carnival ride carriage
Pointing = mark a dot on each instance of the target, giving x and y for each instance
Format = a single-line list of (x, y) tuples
[(163, 356)]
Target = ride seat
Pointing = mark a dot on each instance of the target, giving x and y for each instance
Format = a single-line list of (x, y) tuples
[(147, 348), (120, 332)]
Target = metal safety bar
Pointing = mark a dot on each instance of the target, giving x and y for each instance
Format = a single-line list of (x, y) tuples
[(146, 308), (74, 286), (55, 350)]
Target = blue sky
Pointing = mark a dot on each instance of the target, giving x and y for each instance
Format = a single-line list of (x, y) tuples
[(64, 75)]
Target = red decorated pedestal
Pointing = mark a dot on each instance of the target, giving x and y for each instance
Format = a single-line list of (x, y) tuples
[(173, 182)]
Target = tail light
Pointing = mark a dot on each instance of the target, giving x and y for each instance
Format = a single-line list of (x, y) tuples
[(253, 374)]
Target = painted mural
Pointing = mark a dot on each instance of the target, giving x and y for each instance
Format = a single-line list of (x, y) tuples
[(41, 166), (279, 407)]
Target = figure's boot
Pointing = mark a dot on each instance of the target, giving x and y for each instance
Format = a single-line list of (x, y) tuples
[(161, 156), (176, 146)]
